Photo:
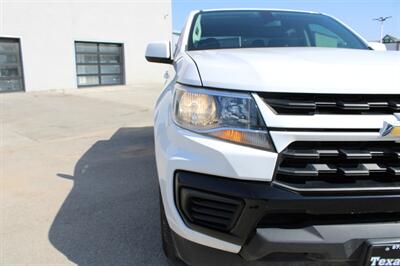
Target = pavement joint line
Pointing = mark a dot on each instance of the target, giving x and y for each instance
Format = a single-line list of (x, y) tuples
[(25, 136), (64, 139)]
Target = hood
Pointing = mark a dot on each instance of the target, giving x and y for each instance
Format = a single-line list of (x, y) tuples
[(305, 70)]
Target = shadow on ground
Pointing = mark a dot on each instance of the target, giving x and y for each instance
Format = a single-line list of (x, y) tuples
[(111, 215)]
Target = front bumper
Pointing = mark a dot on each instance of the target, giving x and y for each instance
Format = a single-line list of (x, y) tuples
[(332, 228)]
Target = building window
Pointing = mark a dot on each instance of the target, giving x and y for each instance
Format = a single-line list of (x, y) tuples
[(99, 63), (11, 75)]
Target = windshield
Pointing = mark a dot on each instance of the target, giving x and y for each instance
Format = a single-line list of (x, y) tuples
[(249, 29)]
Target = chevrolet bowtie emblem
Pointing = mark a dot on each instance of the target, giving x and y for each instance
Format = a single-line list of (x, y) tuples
[(391, 129)]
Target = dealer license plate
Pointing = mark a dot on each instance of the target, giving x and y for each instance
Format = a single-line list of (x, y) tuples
[(383, 254)]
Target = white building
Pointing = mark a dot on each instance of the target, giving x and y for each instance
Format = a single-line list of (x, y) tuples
[(69, 44), (392, 43)]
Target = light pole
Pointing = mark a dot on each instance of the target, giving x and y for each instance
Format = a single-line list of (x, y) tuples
[(382, 20)]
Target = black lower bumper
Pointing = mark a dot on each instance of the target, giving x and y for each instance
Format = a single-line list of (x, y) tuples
[(290, 253), (269, 221)]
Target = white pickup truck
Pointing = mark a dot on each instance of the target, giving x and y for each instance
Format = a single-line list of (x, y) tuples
[(278, 138)]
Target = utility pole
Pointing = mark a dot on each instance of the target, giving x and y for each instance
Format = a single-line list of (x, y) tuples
[(382, 21)]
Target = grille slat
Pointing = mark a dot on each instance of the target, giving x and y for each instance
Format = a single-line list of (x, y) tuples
[(324, 169), (336, 165), (214, 204), (306, 154), (375, 168), (395, 105), (353, 106), (211, 211), (310, 154), (394, 170), (349, 154), (211, 219), (355, 154), (307, 170), (310, 104), (288, 104), (359, 170)]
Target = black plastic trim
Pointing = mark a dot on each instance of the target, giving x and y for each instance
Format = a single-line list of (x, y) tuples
[(210, 210), (159, 60), (262, 198), (194, 254)]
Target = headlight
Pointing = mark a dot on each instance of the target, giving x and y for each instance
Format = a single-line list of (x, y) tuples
[(225, 115)]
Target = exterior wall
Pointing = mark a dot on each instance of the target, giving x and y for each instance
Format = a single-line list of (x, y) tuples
[(48, 30)]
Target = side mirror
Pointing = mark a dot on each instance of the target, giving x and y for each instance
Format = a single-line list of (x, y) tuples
[(377, 46), (159, 52)]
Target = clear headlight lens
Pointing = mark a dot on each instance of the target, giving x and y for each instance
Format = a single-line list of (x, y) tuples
[(196, 110), (225, 115)]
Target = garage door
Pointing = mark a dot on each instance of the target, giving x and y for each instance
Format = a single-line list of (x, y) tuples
[(99, 64), (11, 78)]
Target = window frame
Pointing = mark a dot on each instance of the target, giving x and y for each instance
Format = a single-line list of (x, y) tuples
[(98, 53), (19, 63)]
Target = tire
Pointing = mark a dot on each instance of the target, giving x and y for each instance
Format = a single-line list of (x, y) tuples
[(166, 237)]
